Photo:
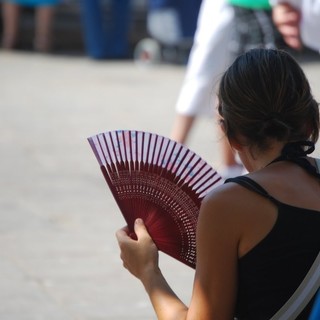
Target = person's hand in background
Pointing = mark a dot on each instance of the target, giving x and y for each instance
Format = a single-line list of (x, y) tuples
[(287, 20)]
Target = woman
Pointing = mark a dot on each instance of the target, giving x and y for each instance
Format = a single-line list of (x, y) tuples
[(226, 29), (257, 235)]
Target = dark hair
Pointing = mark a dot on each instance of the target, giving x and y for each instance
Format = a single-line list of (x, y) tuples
[(265, 95)]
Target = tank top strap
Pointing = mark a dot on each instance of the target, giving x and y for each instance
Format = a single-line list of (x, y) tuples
[(317, 165), (250, 184), (304, 163)]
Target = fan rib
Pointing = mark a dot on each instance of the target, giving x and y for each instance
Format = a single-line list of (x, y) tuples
[(118, 146), (113, 159), (181, 162), (190, 173), (186, 171), (162, 160), (175, 159), (159, 153)]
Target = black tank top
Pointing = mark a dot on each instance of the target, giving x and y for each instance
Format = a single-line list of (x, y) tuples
[(270, 273)]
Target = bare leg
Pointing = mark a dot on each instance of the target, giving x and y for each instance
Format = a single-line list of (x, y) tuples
[(181, 128), (43, 35), (10, 15), (180, 132)]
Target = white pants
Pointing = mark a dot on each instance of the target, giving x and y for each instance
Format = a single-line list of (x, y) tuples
[(208, 59)]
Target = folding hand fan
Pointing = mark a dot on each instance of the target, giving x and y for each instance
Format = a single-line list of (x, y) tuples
[(159, 180)]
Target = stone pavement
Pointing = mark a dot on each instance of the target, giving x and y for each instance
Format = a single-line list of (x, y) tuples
[(58, 254)]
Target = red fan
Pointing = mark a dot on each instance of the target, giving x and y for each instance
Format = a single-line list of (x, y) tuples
[(159, 180)]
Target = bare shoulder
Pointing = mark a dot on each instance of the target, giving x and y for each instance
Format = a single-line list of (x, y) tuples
[(218, 237), (234, 206), (237, 216), (228, 199), (225, 207)]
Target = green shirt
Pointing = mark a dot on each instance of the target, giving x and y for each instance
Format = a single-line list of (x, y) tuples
[(251, 4)]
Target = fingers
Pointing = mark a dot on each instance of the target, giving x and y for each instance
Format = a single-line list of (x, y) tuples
[(140, 229), (137, 255), (122, 234), (286, 14), (124, 238), (289, 31), (123, 261), (123, 241), (293, 42), (291, 36), (287, 20)]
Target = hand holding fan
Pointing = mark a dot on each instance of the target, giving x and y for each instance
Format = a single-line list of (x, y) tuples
[(159, 180)]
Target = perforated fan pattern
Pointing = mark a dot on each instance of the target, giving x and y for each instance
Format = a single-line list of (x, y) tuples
[(158, 180)]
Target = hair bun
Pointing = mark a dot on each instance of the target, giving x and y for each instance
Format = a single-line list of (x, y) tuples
[(274, 126)]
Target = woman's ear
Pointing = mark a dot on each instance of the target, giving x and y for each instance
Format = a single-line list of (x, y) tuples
[(235, 143), (221, 124)]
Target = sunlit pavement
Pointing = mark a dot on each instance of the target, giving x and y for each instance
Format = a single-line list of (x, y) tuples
[(59, 259)]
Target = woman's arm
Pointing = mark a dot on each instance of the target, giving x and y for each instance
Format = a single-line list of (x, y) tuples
[(140, 257), (215, 283)]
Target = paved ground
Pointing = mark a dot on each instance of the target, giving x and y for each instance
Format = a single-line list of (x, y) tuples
[(58, 254)]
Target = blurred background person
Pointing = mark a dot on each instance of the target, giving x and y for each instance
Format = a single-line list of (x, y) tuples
[(171, 21), (171, 25), (106, 28), (44, 13), (225, 30)]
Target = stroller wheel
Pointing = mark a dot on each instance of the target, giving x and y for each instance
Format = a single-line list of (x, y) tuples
[(147, 52)]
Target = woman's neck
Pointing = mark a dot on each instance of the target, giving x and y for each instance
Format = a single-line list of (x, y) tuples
[(257, 160)]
